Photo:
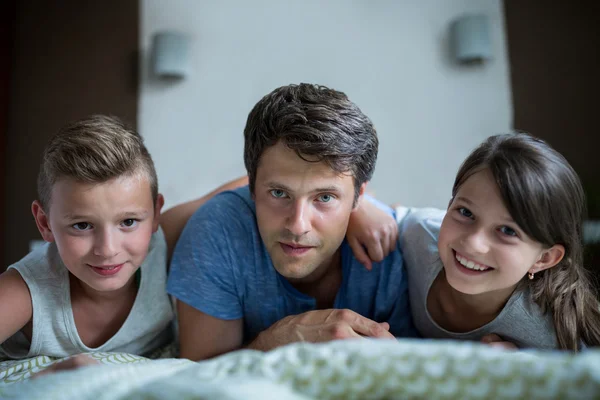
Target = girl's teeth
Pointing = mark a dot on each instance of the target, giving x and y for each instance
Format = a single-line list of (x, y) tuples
[(470, 264)]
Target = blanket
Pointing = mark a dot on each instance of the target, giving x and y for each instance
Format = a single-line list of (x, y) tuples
[(351, 369)]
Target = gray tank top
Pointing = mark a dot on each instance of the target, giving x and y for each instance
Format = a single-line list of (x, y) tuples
[(148, 326), (520, 322)]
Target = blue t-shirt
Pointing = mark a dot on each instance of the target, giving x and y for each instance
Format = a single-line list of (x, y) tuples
[(222, 268)]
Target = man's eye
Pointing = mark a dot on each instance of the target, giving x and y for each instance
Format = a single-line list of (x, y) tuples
[(82, 226), (325, 198), (277, 193)]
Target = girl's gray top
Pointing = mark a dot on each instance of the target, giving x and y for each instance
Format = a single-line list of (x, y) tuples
[(520, 322)]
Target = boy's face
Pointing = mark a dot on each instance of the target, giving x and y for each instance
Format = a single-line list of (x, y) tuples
[(102, 231), (302, 212)]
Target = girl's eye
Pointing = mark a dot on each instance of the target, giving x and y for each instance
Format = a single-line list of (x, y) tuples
[(325, 198), (129, 222), (277, 193), (82, 226), (465, 212), (508, 231)]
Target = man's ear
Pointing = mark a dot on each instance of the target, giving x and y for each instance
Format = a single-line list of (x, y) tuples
[(359, 198), (42, 221), (160, 202), (549, 258)]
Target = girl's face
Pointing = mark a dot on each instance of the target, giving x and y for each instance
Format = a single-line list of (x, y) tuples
[(482, 248)]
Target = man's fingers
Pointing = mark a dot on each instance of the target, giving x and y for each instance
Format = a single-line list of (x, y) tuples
[(359, 253), (363, 326)]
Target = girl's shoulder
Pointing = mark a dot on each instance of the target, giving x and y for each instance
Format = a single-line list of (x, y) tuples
[(419, 222), (418, 231), (524, 320)]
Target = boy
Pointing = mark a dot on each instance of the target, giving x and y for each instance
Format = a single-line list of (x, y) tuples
[(99, 282)]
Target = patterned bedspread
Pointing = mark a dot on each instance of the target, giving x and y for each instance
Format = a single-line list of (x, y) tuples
[(357, 369)]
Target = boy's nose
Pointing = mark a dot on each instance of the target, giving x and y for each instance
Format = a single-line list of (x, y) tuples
[(106, 245)]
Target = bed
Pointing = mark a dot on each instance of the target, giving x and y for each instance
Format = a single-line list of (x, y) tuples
[(351, 369)]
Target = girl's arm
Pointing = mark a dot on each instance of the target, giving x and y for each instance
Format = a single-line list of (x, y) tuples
[(15, 304), (372, 233)]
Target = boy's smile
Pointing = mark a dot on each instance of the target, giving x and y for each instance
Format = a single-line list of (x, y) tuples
[(103, 231)]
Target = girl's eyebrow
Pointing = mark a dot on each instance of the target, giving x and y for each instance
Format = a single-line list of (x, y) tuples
[(507, 219), (465, 200)]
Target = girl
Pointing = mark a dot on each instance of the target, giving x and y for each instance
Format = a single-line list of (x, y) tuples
[(506, 257)]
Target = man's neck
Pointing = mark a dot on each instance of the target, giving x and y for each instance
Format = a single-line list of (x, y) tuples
[(326, 283)]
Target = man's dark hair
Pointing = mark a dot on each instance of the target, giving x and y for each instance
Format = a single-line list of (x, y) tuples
[(319, 124)]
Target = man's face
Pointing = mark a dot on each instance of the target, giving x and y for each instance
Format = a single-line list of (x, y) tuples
[(302, 211)]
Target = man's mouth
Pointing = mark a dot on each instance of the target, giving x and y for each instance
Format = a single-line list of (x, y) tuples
[(294, 249)]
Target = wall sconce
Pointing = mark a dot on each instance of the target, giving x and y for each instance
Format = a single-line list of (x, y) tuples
[(470, 39), (170, 55)]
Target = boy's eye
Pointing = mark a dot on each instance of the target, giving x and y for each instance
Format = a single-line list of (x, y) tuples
[(325, 198), (465, 212), (129, 222), (508, 231), (82, 226), (277, 193)]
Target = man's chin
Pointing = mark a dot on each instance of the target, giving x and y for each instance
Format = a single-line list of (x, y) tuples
[(293, 271)]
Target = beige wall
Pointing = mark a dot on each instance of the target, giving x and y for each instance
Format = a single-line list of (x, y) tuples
[(69, 60)]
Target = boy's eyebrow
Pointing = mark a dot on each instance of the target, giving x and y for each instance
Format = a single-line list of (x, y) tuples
[(74, 216), (136, 213), (127, 214)]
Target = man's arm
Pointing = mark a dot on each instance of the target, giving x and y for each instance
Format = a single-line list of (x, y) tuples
[(218, 336), (174, 219)]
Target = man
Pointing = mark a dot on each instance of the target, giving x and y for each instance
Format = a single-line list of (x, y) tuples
[(267, 264)]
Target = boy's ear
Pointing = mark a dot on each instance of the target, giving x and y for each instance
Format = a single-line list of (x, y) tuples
[(160, 202), (549, 258), (42, 221)]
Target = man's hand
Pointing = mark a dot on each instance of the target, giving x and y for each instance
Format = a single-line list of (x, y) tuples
[(372, 228), (496, 341), (320, 326), (78, 361)]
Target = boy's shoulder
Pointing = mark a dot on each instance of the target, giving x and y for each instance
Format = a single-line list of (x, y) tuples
[(42, 260)]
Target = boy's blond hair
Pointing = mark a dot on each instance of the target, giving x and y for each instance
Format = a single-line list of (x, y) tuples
[(94, 150)]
